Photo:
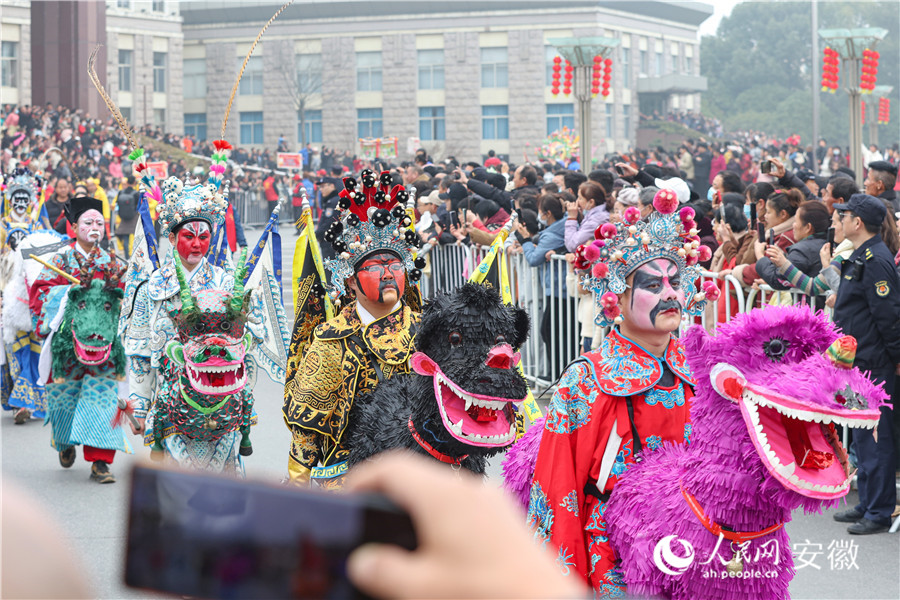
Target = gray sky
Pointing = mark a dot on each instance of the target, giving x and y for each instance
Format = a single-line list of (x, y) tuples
[(722, 8)]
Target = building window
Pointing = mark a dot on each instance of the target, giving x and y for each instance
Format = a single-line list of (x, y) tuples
[(10, 70), (195, 124), (312, 126), (610, 122), (368, 72), (126, 61), (368, 122), (252, 81), (495, 122), (626, 67), (123, 3), (660, 66), (689, 64), (675, 68), (309, 74), (159, 71), (194, 78), (645, 64), (626, 119), (559, 116), (431, 69), (158, 6), (159, 117), (251, 127), (494, 68), (126, 112), (431, 123)]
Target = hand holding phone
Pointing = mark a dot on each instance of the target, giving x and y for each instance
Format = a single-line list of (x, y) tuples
[(771, 237), (765, 167), (454, 218), (831, 243), (255, 540), (760, 233), (753, 215)]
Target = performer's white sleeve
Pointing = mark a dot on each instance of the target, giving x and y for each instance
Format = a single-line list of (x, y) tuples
[(140, 384)]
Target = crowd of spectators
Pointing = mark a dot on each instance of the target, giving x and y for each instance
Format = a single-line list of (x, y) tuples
[(691, 119)]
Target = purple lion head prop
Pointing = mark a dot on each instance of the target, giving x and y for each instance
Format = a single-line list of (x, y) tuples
[(771, 387)]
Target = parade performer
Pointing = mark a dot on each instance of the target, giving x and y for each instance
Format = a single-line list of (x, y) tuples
[(643, 274), (81, 352), (20, 391), (158, 315), (370, 340)]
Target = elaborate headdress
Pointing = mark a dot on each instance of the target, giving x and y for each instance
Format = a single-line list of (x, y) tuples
[(19, 182), (372, 218), (204, 202), (621, 248)]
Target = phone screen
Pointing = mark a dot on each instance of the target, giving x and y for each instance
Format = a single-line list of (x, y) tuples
[(831, 239), (771, 237), (196, 534), (454, 218), (753, 215), (761, 232)]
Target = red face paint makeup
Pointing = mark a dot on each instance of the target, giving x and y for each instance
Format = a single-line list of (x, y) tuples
[(380, 274), (192, 242)]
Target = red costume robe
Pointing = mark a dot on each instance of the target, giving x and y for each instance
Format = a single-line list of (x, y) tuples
[(587, 444)]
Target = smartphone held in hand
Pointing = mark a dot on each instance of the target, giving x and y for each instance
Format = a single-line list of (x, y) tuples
[(209, 536)]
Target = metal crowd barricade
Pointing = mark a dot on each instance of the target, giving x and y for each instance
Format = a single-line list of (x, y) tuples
[(251, 206)]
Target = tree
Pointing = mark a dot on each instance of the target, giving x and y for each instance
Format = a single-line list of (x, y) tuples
[(760, 70), (303, 79)]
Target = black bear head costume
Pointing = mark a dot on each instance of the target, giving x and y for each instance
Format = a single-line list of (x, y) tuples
[(467, 359)]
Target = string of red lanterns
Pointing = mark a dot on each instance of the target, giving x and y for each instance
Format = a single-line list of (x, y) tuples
[(884, 111), (869, 71), (830, 70)]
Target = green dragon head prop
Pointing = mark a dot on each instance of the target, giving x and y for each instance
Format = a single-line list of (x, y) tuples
[(210, 342)]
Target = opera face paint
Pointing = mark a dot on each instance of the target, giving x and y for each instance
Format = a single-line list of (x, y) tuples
[(657, 299), (20, 202), (380, 278), (192, 242), (89, 228)]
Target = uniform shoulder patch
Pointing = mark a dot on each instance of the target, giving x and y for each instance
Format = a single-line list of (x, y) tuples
[(882, 288)]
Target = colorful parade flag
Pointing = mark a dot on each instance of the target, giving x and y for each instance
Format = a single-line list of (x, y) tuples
[(493, 270), (312, 305)]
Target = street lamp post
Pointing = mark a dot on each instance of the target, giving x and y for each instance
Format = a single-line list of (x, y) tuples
[(849, 44), (580, 53)]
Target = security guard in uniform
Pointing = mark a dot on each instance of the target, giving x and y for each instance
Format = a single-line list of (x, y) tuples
[(868, 308)]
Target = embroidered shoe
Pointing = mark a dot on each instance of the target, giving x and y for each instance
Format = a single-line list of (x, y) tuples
[(22, 416), (67, 457), (100, 473)]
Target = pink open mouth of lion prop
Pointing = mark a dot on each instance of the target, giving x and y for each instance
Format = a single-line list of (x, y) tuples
[(474, 419)]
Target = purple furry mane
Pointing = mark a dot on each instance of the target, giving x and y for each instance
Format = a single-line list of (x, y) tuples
[(518, 466)]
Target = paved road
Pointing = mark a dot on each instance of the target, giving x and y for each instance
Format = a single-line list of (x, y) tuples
[(93, 516)]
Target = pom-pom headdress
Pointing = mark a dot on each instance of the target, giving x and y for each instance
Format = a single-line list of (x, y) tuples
[(18, 185), (181, 203), (372, 218), (620, 249)]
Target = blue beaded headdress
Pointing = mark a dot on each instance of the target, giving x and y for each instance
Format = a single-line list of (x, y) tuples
[(372, 218), (621, 248), (181, 204)]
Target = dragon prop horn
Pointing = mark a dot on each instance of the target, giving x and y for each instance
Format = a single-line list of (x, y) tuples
[(187, 301), (237, 296)]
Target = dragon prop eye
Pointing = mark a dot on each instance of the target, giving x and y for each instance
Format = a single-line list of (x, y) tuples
[(107, 306), (81, 305), (775, 349), (500, 339), (455, 338)]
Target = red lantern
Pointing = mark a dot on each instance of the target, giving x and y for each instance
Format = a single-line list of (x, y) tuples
[(830, 69), (567, 90)]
